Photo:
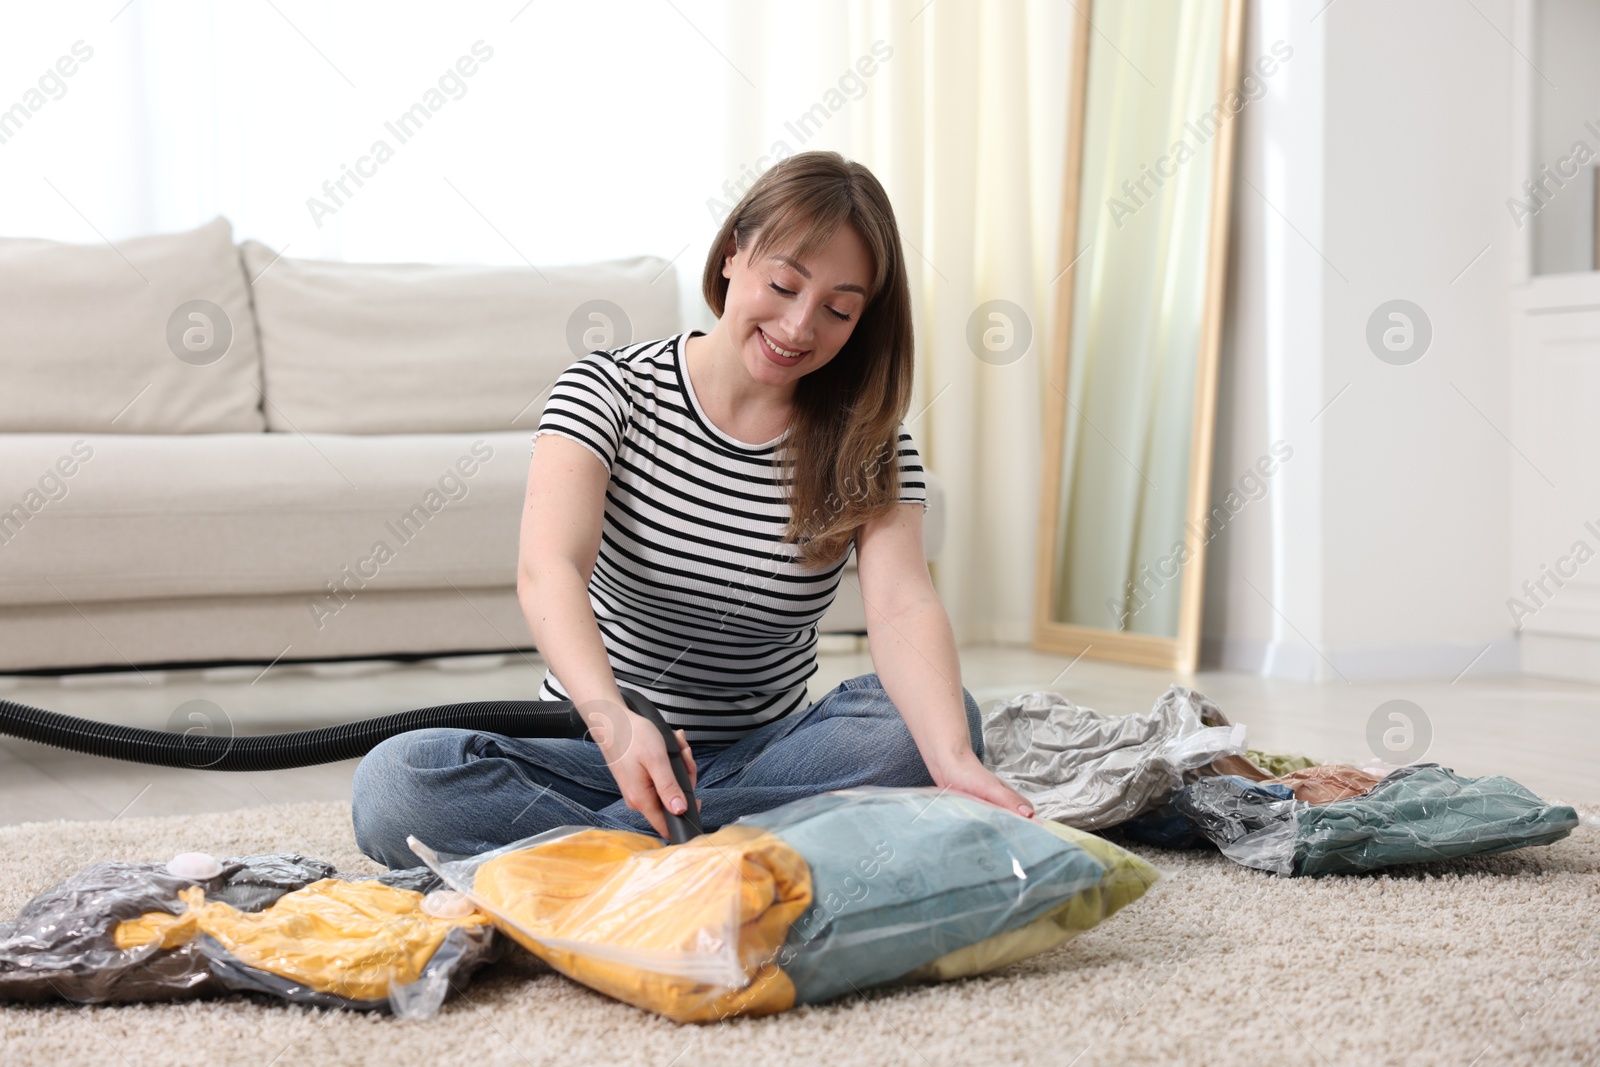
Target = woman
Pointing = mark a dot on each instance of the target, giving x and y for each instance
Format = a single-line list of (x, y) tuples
[(694, 559)]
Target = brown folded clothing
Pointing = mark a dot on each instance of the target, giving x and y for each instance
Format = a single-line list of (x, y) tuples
[(1238, 765), (1327, 782)]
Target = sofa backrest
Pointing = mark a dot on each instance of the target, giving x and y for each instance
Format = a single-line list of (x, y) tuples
[(149, 335), (413, 348), (190, 333)]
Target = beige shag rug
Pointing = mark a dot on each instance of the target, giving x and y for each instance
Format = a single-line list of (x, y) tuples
[(1489, 960)]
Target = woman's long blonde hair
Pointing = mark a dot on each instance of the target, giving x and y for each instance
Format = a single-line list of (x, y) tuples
[(843, 439)]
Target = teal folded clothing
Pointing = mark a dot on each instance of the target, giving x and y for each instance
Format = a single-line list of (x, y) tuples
[(901, 877), (1424, 812)]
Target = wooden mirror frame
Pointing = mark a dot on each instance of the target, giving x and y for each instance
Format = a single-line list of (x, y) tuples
[(1182, 652)]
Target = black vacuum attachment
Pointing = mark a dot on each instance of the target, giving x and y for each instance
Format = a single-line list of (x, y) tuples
[(304, 748)]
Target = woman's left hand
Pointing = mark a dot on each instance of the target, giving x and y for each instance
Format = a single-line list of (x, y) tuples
[(971, 777)]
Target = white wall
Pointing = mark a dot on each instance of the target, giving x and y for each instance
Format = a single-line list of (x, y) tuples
[(570, 141), (1263, 609), (1383, 546)]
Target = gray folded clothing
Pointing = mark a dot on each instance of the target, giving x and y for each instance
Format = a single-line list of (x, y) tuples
[(1089, 770)]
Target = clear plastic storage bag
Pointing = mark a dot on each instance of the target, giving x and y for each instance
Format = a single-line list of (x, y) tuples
[(818, 898), (1127, 879), (1423, 812), (905, 876), (280, 924), (1417, 813), (682, 929), (61, 944), (334, 943), (1090, 770)]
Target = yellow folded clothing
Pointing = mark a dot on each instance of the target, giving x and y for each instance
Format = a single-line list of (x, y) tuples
[(355, 940), (686, 931)]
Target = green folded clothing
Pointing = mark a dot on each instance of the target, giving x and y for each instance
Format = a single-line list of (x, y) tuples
[(1416, 814), (1278, 764), (1425, 812)]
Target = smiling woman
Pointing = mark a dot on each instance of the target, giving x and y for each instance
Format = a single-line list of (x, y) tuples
[(852, 373), (736, 471)]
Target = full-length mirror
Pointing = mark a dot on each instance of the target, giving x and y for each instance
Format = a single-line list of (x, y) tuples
[(1139, 308)]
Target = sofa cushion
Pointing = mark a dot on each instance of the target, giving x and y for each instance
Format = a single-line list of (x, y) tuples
[(151, 335), (123, 518), (109, 518), (411, 348)]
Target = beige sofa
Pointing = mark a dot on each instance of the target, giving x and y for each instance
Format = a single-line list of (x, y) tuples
[(210, 454)]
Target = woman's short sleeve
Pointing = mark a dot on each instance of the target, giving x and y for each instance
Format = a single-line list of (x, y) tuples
[(913, 482), (589, 405)]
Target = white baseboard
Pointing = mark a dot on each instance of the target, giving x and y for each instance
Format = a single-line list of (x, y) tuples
[(1428, 661), (1279, 659), (1559, 656), (1270, 659)]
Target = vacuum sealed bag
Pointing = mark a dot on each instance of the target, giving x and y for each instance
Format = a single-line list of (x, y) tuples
[(62, 944), (817, 898), (1253, 824), (1126, 879), (360, 944), (1415, 814), (903, 877), (1090, 770), (1424, 812), (1203, 824), (682, 930), (279, 924)]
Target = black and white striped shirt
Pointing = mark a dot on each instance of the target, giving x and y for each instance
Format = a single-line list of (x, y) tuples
[(700, 606)]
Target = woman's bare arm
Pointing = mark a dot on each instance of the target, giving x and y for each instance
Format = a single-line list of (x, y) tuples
[(562, 518), (914, 652), (560, 541)]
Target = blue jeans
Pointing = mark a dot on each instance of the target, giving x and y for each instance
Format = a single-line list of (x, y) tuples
[(463, 791)]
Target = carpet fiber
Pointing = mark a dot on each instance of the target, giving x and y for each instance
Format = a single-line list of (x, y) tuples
[(1482, 961)]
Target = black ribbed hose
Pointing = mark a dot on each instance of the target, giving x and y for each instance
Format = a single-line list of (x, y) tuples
[(329, 744), (275, 752)]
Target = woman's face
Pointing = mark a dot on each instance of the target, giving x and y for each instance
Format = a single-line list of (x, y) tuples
[(788, 318)]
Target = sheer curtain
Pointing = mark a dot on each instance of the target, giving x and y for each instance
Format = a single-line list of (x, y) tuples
[(963, 119), (582, 132)]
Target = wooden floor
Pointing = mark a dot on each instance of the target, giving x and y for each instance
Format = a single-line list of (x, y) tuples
[(1543, 733)]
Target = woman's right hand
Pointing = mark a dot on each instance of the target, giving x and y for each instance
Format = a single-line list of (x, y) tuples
[(636, 754)]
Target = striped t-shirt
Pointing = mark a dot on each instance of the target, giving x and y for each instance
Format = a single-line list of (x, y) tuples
[(700, 606)]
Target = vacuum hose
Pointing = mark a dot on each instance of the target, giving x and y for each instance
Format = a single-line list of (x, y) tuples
[(275, 752), (304, 748)]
